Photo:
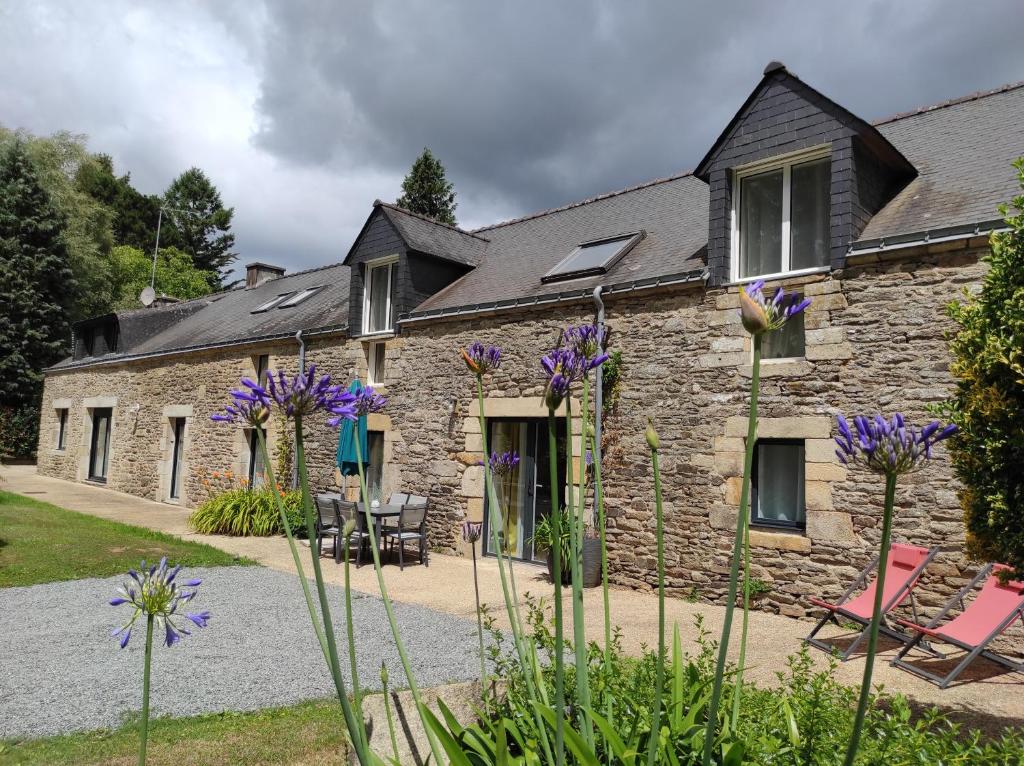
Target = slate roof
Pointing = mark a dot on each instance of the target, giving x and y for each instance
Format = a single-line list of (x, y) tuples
[(431, 237), (226, 318), (962, 149)]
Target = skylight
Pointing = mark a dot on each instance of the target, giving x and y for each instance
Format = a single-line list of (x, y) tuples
[(299, 297), (271, 303), (592, 258)]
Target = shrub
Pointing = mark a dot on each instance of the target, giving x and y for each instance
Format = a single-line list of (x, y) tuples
[(243, 512), (19, 431), (988, 405)]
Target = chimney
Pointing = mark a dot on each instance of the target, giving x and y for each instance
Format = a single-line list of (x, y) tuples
[(258, 273)]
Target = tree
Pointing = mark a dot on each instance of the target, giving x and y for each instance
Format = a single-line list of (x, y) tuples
[(196, 216), (135, 214), (988, 407), (176, 275), (87, 234), (427, 191)]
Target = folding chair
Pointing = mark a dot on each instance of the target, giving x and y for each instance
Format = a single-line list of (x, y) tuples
[(903, 569), (349, 511), (992, 611), (327, 524), (412, 527)]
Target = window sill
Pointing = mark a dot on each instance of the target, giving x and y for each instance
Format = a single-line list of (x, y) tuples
[(778, 276), (95, 482), (794, 367), (779, 539), (379, 335)]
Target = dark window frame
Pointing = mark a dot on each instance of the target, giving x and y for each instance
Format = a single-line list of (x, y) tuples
[(107, 413), (557, 273), (799, 526), (177, 456), (62, 428)]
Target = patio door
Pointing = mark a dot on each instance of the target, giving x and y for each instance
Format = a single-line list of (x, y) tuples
[(99, 444), (177, 455), (524, 495)]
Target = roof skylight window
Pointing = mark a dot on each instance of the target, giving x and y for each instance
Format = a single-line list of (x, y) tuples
[(271, 303), (300, 296), (592, 258)]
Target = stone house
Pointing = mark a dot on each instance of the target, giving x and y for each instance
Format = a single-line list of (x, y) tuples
[(881, 224)]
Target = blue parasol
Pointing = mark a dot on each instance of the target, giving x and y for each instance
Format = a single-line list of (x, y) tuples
[(346, 456)]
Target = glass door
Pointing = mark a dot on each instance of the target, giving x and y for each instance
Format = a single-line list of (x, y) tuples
[(524, 494), (177, 454), (99, 445)]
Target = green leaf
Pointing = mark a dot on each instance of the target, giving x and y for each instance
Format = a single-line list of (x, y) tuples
[(573, 740), (455, 753)]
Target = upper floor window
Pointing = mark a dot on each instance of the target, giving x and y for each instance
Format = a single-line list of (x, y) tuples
[(592, 258), (781, 217), (377, 310)]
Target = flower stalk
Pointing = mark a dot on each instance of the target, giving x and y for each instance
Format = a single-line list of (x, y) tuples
[(556, 570), (602, 522), (659, 683), (144, 725), (471, 534)]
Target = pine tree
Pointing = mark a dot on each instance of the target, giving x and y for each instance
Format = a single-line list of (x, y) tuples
[(198, 223), (135, 214), (988, 361), (427, 191), (35, 280)]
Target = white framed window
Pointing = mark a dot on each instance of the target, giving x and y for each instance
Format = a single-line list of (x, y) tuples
[(780, 216), (777, 485), (375, 363), (300, 296), (377, 309)]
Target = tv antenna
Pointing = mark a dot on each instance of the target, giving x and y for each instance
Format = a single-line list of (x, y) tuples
[(156, 250)]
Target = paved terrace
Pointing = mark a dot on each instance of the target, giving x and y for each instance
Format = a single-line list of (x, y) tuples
[(988, 697)]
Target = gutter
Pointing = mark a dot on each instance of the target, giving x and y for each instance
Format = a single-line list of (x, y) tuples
[(926, 237), (103, 361), (552, 299)]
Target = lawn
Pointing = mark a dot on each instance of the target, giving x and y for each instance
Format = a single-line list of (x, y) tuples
[(309, 733), (40, 542)]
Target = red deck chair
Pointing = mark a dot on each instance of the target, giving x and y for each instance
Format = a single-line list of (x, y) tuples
[(994, 609), (904, 568)]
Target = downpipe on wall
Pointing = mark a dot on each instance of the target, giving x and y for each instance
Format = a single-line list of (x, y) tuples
[(598, 387)]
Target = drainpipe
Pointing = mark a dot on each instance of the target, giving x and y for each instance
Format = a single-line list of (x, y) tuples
[(598, 393), (302, 369)]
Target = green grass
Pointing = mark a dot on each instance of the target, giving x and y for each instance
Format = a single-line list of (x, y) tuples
[(309, 733), (40, 542)]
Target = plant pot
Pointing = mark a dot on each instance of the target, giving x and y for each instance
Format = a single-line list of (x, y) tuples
[(591, 565)]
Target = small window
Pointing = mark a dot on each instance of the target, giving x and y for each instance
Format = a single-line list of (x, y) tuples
[(782, 218), (785, 343), (592, 258), (375, 358), (257, 472), (99, 444), (377, 311), (271, 303), (777, 489), (89, 340), (261, 364), (375, 469), (300, 296), (62, 428)]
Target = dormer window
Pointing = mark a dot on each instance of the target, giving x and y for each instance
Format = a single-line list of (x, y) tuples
[(592, 258), (781, 216), (377, 312)]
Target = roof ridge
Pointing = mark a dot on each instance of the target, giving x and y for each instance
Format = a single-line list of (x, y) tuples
[(287, 275), (428, 219), (587, 201), (976, 96)]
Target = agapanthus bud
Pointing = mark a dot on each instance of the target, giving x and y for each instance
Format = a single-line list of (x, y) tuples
[(652, 436), (348, 528), (383, 674), (752, 314)]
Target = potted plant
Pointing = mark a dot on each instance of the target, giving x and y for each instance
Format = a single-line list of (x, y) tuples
[(543, 541)]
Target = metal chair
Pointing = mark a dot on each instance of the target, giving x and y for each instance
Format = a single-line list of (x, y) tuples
[(412, 526), (346, 511), (327, 524)]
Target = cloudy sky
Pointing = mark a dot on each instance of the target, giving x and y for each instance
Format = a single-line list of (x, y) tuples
[(303, 112)]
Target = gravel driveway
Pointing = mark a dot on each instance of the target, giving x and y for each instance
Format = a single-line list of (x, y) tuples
[(60, 671)]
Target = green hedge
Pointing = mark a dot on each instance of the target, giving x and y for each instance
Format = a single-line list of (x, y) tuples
[(19, 432), (245, 512)]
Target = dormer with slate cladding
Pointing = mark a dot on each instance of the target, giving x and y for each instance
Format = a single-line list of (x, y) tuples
[(813, 175), (398, 260)]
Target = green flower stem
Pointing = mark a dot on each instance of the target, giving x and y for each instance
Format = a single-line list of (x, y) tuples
[(523, 649), (737, 692), (479, 626), (602, 531), (391, 719), (579, 638), (317, 628), (659, 682), (876, 619), (357, 695), (355, 725), (144, 726), (737, 552), (556, 566), (389, 608)]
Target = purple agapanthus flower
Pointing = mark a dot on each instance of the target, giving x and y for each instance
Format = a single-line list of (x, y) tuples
[(563, 367), (243, 411), (588, 342), (481, 359), (888, 446), (153, 592), (504, 463), (761, 314), (304, 394), (365, 401), (471, 530)]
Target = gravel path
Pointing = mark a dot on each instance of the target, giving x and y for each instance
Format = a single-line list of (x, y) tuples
[(60, 671)]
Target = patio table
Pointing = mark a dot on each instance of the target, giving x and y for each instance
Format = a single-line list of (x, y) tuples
[(378, 515)]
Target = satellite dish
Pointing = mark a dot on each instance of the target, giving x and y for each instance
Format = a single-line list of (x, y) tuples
[(147, 296)]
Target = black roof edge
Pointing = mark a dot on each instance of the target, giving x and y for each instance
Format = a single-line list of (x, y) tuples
[(682, 277), (926, 236)]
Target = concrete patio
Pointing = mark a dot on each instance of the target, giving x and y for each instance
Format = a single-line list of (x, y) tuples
[(988, 698)]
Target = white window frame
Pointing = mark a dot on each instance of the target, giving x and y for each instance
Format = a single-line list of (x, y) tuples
[(369, 266), (786, 162), (371, 350)]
